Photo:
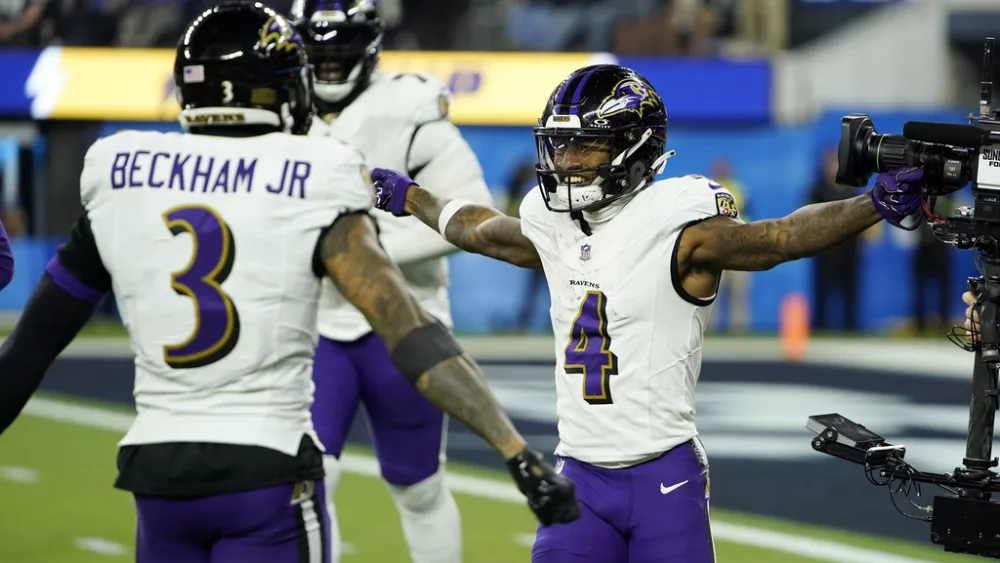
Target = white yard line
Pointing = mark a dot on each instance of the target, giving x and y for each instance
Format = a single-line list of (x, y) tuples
[(823, 550), (101, 546), (919, 358)]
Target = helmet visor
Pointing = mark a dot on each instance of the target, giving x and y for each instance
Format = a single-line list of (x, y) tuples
[(574, 167), (573, 156)]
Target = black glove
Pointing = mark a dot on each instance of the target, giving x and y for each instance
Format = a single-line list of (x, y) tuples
[(551, 496)]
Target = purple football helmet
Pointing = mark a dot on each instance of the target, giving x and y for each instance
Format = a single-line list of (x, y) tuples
[(602, 137)]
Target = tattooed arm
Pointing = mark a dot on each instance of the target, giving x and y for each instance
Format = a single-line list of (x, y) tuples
[(364, 275), (477, 229), (721, 243)]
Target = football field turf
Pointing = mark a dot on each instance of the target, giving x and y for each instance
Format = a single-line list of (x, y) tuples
[(57, 504)]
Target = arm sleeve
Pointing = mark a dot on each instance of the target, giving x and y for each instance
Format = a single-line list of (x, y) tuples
[(50, 321), (6, 259), (442, 162), (77, 268)]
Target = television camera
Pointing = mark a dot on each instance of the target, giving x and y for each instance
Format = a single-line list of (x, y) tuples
[(966, 519)]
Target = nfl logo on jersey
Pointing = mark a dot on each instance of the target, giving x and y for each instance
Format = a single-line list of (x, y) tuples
[(585, 252)]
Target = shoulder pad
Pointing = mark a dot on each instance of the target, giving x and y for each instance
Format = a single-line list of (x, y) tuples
[(697, 181), (693, 197), (418, 97), (532, 206)]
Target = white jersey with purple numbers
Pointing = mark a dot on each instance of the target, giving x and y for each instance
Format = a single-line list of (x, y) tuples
[(209, 242), (628, 338), (400, 122)]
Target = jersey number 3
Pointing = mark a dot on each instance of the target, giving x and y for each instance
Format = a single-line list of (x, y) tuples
[(216, 321), (589, 350)]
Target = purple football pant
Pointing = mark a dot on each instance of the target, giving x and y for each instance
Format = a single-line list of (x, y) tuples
[(406, 429), (639, 514), (281, 524)]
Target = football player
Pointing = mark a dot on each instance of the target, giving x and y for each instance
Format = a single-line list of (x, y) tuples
[(214, 243), (398, 121), (6, 259), (633, 265)]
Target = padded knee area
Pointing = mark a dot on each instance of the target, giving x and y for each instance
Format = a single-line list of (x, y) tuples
[(422, 497)]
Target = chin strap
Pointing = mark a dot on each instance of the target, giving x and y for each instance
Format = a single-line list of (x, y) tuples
[(584, 225)]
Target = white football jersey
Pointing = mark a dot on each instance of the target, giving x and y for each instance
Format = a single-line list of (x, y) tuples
[(400, 122), (209, 242), (628, 338)]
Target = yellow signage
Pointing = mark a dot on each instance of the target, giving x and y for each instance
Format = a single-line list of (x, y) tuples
[(137, 84), (492, 88)]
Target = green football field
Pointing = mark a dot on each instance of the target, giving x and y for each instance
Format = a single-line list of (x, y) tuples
[(57, 505)]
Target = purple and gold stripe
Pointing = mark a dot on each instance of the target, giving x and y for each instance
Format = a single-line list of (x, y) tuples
[(575, 83), (578, 93), (68, 282)]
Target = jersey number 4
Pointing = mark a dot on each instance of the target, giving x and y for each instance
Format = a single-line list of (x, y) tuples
[(216, 321), (589, 350)]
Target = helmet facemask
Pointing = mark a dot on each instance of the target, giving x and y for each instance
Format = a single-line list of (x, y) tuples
[(586, 169), (343, 54)]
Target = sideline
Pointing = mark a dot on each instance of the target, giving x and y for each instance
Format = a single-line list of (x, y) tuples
[(824, 550), (908, 358)]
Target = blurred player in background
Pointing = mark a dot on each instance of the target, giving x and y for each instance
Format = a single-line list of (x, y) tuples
[(633, 266), (6, 259), (398, 121), (215, 243)]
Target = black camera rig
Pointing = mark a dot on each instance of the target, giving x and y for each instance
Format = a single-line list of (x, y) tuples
[(965, 520)]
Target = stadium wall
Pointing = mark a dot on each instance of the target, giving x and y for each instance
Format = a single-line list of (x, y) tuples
[(719, 109), (776, 165)]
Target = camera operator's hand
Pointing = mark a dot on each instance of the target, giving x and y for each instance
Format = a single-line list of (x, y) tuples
[(897, 197), (971, 316)]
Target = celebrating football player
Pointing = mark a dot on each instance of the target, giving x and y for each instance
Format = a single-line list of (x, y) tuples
[(633, 266)]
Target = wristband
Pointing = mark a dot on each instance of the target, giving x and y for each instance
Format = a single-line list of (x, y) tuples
[(449, 211)]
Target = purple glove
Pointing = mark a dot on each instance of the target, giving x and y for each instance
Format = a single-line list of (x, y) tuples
[(390, 190), (897, 197)]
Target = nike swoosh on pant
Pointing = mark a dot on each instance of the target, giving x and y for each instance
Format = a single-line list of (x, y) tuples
[(665, 490)]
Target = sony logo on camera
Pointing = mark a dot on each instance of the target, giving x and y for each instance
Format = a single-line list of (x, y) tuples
[(988, 172), (992, 155)]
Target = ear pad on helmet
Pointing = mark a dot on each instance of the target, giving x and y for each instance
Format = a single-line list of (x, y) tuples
[(637, 172)]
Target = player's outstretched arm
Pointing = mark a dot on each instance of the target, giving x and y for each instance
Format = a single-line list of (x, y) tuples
[(721, 243), (427, 354), (365, 276), (473, 228), (62, 303)]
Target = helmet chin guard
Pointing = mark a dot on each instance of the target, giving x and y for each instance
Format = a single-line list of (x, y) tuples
[(344, 40)]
